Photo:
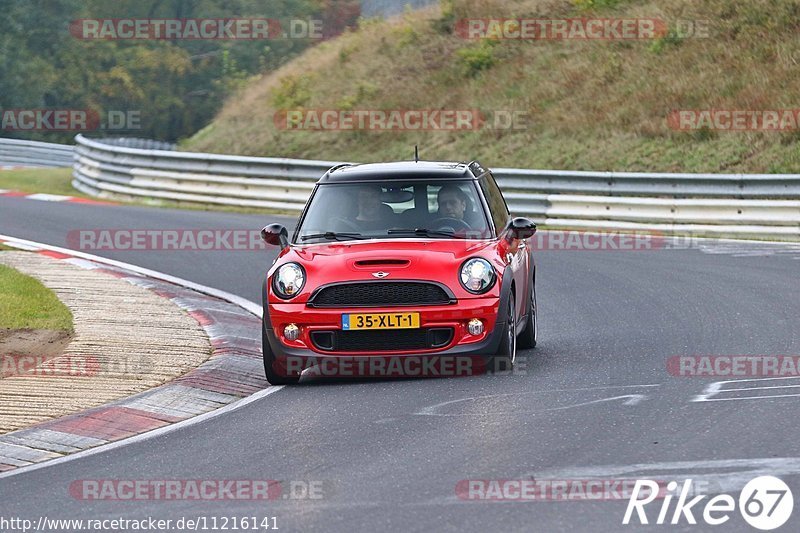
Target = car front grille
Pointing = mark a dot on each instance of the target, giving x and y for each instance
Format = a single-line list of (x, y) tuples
[(381, 294), (382, 340)]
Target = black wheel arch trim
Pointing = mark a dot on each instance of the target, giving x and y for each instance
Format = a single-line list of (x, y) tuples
[(533, 285), (505, 292)]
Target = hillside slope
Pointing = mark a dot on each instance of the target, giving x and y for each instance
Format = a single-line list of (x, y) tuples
[(599, 104)]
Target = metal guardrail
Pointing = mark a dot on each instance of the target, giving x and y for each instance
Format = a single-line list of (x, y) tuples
[(102, 169), (135, 142), (742, 186), (15, 152), (737, 205)]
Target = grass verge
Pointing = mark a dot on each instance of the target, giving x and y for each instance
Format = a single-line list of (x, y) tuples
[(40, 180), (588, 104), (27, 304)]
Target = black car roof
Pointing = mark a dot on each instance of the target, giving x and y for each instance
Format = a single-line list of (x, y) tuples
[(403, 170)]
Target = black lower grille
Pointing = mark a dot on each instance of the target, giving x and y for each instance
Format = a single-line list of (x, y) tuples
[(381, 293), (382, 340)]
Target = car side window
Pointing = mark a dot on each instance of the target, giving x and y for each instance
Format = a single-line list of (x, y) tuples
[(497, 204)]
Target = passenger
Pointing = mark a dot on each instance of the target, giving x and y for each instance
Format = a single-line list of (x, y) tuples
[(369, 204), (452, 202), (372, 213)]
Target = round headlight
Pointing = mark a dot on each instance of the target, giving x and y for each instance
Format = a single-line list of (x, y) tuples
[(477, 275), (289, 280)]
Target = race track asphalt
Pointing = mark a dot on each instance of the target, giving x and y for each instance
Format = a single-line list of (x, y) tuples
[(594, 401)]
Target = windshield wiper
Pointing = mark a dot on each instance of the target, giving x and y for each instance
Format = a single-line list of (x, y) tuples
[(422, 232), (332, 235)]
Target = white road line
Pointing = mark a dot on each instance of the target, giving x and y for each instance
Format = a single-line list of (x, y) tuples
[(633, 399), (715, 389), (780, 378), (48, 197), (24, 247), (762, 388), (750, 398), (146, 436)]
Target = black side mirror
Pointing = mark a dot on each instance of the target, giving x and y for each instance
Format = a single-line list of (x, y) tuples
[(521, 228), (276, 235)]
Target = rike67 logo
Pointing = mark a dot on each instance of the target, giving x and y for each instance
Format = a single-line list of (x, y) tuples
[(766, 503)]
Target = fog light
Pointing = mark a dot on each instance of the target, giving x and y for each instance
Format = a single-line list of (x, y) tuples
[(475, 327), (291, 332)]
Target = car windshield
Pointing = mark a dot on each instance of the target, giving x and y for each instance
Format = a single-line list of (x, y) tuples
[(430, 209)]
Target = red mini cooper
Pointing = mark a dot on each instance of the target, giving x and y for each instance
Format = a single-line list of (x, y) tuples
[(397, 261)]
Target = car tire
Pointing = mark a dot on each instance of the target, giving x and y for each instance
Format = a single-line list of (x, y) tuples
[(271, 370), (503, 360), (527, 339)]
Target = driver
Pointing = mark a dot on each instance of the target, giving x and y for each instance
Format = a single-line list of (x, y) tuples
[(452, 202)]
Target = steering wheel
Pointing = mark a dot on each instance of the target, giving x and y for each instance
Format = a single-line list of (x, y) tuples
[(456, 224), (351, 226)]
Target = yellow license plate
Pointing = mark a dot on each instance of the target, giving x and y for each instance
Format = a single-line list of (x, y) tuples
[(380, 321)]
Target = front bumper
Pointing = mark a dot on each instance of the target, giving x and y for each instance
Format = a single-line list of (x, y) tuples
[(464, 355), (312, 321)]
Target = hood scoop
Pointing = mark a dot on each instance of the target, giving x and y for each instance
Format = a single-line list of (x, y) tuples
[(370, 264)]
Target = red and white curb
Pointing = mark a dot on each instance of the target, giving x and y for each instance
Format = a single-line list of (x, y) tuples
[(234, 371), (42, 197)]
